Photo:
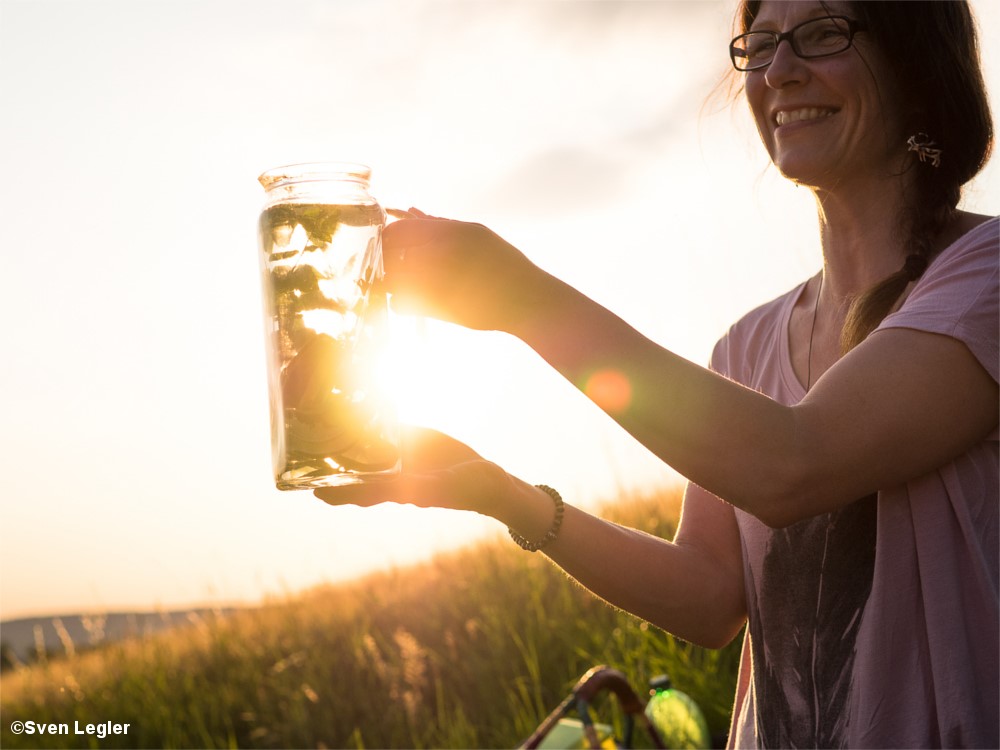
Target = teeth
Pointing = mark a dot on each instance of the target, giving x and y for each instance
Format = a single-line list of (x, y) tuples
[(795, 115)]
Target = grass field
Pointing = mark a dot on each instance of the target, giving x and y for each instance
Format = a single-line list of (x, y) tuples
[(471, 649)]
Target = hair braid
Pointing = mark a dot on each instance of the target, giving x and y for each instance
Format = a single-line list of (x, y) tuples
[(944, 96), (925, 221)]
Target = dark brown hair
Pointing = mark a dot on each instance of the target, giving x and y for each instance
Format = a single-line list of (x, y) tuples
[(932, 51)]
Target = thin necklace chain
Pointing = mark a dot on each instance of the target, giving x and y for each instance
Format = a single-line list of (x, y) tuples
[(812, 332)]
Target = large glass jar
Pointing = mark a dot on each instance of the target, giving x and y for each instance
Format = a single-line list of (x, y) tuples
[(325, 322)]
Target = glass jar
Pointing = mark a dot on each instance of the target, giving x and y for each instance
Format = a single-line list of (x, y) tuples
[(325, 319)]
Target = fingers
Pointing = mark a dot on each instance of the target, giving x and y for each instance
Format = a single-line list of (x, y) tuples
[(456, 271), (401, 236), (416, 213), (410, 213), (476, 485), (413, 228), (417, 255), (408, 489), (455, 488), (364, 495), (410, 231)]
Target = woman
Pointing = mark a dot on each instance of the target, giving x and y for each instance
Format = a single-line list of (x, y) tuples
[(842, 450)]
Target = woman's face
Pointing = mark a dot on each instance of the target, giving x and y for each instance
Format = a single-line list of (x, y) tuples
[(824, 121)]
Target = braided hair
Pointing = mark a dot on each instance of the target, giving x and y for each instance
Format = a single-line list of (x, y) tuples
[(934, 52)]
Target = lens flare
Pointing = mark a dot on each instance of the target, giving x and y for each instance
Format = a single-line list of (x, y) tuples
[(609, 389)]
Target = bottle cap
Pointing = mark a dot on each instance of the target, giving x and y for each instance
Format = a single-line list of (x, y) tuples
[(660, 682)]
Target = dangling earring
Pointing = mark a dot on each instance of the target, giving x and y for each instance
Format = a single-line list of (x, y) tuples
[(922, 144)]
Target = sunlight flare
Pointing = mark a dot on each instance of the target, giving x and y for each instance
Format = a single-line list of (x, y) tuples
[(610, 389)]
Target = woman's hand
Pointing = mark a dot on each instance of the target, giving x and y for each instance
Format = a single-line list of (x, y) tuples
[(438, 472), (456, 271)]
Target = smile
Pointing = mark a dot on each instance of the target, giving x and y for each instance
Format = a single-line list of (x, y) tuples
[(798, 115)]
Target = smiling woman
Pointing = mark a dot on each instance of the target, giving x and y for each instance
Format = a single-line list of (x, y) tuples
[(135, 343), (827, 509), (822, 115)]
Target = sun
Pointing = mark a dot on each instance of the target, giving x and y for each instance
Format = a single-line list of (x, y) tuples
[(421, 372)]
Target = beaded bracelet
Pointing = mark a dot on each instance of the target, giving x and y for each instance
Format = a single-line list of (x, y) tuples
[(553, 531)]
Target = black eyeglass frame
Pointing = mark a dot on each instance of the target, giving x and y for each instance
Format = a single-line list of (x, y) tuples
[(853, 27)]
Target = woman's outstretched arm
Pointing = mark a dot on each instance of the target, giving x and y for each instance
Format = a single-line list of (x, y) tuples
[(691, 587), (900, 404)]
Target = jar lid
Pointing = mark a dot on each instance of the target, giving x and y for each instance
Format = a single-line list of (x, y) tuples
[(340, 171)]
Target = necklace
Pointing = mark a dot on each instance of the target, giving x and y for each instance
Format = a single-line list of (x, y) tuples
[(812, 332)]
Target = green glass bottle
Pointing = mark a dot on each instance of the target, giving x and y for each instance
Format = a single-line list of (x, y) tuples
[(676, 717)]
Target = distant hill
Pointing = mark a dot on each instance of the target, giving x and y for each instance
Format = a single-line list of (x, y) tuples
[(79, 632)]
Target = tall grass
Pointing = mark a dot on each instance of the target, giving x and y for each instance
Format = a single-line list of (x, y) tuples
[(471, 649)]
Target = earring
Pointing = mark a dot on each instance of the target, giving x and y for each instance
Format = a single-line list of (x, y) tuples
[(922, 144)]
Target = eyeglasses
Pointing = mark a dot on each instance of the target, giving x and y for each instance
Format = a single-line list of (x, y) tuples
[(819, 37)]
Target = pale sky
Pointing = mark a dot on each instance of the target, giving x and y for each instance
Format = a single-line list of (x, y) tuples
[(135, 460)]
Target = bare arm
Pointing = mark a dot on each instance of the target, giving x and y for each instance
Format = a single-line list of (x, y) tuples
[(897, 406), (900, 404), (691, 587)]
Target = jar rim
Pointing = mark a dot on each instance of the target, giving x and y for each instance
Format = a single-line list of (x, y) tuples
[(320, 171)]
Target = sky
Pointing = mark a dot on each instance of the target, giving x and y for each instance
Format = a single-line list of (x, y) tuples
[(135, 458)]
